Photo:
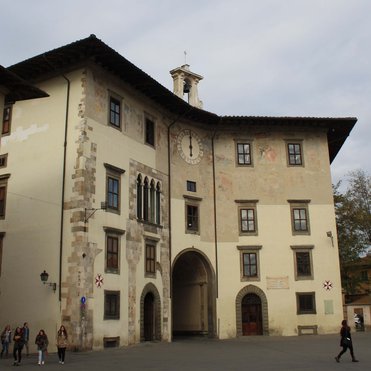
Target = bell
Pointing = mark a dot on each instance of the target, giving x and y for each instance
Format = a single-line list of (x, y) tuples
[(187, 87)]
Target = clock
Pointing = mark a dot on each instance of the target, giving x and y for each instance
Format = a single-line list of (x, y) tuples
[(189, 146)]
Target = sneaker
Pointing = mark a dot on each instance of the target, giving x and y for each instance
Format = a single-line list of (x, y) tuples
[(355, 360), (337, 359), (43, 363), (63, 362)]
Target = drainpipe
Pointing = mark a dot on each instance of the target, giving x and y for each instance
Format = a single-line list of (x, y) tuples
[(63, 176), (63, 184), (215, 229), (169, 187)]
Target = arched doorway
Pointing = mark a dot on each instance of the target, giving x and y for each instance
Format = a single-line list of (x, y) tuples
[(193, 295), (149, 317), (150, 314), (251, 310)]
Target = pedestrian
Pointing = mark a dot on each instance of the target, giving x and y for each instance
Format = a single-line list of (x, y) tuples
[(42, 346), (18, 346), (62, 343), (6, 338), (345, 341), (26, 336)]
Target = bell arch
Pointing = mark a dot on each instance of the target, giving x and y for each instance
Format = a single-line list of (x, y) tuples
[(193, 295), (150, 313), (251, 290)]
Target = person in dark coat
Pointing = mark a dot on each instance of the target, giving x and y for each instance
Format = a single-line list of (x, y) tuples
[(42, 343), (18, 346), (345, 341)]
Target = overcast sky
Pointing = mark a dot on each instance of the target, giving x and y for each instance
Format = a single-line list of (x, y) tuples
[(258, 57)]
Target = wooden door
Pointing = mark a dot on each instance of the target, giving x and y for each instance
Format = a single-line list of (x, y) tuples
[(149, 317), (251, 315)]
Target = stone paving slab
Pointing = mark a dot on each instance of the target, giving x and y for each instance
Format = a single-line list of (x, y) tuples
[(258, 353)]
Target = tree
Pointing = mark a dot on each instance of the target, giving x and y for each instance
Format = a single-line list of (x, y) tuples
[(353, 219)]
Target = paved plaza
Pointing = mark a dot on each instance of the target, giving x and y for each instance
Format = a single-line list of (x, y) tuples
[(310, 353)]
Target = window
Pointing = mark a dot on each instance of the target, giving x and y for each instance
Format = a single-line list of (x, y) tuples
[(303, 262), (115, 112), (191, 186), (192, 218), (299, 216), (364, 276), (247, 217), (112, 254), (150, 259), (2, 234), (7, 117), (113, 238), (148, 200), (244, 154), (111, 304), (3, 160), (249, 258), (113, 185), (306, 303), (149, 132), (294, 152), (3, 193)]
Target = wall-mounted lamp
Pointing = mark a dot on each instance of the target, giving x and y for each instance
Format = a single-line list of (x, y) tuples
[(329, 234), (44, 278), (103, 206)]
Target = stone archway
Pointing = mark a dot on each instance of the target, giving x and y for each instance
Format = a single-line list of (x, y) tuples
[(193, 295), (150, 313), (243, 296)]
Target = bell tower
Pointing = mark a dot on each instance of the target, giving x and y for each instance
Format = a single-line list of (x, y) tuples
[(185, 83)]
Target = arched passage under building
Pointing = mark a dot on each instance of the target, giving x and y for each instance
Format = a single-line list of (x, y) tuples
[(193, 295)]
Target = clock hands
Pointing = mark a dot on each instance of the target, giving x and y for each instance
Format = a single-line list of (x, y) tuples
[(190, 144)]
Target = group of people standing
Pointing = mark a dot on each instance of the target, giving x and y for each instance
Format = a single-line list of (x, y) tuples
[(21, 339)]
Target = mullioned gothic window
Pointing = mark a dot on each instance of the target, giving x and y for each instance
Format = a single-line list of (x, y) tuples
[(148, 199)]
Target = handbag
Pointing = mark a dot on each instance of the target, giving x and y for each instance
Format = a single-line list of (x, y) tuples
[(347, 341)]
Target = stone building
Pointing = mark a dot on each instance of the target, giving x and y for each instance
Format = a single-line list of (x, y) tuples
[(153, 217)]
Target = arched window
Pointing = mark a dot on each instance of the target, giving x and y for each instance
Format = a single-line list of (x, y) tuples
[(145, 199), (139, 197), (152, 201), (158, 203)]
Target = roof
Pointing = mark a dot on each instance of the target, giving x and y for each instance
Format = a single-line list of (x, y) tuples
[(91, 49), (364, 300), (17, 88)]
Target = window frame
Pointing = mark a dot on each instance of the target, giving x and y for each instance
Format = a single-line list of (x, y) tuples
[(247, 205), (150, 131), (2, 235), (192, 202), (7, 117), (191, 186), (114, 99), (150, 260), (113, 173), (295, 142), (299, 205), (244, 142), (3, 160), (108, 315), (299, 249), (3, 194), (299, 309), (246, 249)]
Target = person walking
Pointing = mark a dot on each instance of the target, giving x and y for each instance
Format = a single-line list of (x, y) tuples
[(18, 346), (26, 337), (6, 338), (345, 341), (42, 346), (62, 343)]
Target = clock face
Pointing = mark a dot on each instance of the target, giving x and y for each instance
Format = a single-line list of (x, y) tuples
[(190, 146)]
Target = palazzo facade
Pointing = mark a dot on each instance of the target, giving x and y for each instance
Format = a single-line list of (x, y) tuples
[(155, 218)]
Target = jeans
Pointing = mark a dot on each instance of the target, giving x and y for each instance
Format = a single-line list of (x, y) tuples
[(5, 348), (41, 356), (61, 354)]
